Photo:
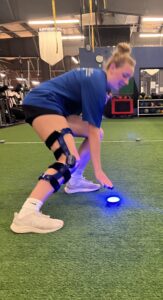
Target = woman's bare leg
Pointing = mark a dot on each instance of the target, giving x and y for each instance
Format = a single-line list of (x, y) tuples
[(80, 129), (44, 126), (77, 182), (29, 219)]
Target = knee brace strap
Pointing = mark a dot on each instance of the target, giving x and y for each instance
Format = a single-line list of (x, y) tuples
[(56, 135), (63, 171)]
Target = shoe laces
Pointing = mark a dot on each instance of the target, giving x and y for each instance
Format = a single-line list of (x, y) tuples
[(85, 179), (79, 179)]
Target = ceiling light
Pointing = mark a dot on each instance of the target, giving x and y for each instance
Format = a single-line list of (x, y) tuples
[(20, 79), (35, 82), (49, 22), (2, 75), (75, 60), (146, 35), (151, 71), (151, 19), (73, 37)]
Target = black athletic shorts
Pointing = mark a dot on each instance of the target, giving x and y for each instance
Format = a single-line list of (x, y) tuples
[(31, 112)]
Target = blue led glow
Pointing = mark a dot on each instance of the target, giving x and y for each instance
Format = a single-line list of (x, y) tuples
[(113, 199)]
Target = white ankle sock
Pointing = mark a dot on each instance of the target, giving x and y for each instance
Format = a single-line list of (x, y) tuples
[(30, 205)]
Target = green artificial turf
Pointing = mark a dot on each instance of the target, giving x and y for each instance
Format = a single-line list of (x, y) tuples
[(101, 253)]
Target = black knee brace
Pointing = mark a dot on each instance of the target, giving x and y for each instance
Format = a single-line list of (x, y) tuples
[(63, 171), (56, 135)]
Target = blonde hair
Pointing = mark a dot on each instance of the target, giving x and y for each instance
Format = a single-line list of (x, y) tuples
[(120, 56)]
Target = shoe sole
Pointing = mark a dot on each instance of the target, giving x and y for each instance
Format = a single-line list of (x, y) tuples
[(70, 191), (28, 229)]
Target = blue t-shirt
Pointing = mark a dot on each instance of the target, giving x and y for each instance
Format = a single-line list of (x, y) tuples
[(77, 91)]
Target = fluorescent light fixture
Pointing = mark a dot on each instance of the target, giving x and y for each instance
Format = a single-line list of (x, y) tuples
[(74, 60), (73, 37), (151, 71), (35, 82), (147, 35), (20, 79), (49, 22), (152, 19)]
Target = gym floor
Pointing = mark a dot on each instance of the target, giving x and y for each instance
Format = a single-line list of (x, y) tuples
[(102, 253)]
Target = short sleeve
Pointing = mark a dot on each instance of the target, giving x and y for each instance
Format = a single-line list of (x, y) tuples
[(93, 93)]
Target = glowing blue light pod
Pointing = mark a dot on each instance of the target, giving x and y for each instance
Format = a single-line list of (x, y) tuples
[(113, 200)]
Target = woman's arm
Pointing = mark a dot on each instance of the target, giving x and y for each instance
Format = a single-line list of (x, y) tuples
[(95, 150)]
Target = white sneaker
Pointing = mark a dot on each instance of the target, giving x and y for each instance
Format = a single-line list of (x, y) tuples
[(35, 222), (80, 184)]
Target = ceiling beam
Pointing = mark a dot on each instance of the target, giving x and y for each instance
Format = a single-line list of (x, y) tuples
[(139, 24), (28, 28), (9, 32)]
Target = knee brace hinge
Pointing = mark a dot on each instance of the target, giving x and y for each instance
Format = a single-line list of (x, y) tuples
[(63, 171), (56, 135)]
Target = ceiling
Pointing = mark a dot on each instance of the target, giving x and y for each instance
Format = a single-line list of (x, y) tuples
[(16, 33), (22, 29)]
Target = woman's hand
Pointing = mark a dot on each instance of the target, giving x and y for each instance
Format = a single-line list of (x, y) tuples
[(103, 179)]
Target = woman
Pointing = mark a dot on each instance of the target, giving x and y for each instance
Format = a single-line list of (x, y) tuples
[(53, 110)]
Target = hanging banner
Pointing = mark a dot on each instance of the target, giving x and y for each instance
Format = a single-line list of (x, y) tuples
[(50, 46)]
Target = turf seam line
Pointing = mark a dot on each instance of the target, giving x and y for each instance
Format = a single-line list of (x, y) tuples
[(111, 141)]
